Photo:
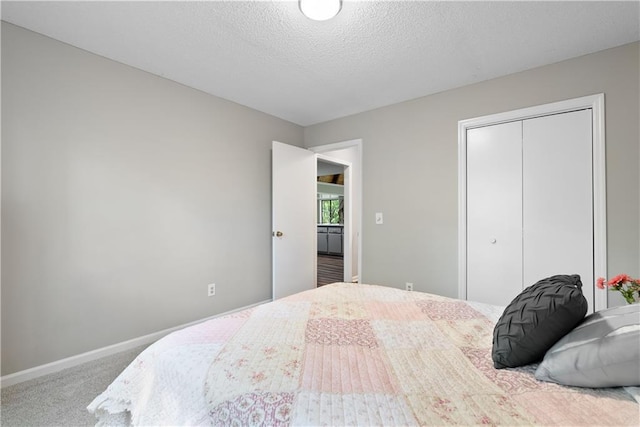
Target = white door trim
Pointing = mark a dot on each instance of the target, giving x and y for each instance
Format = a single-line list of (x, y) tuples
[(358, 171), (596, 103)]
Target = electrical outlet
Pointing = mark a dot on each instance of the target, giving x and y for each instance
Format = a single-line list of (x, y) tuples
[(211, 290), (408, 286)]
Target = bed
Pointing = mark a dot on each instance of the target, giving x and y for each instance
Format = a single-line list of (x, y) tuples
[(347, 354)]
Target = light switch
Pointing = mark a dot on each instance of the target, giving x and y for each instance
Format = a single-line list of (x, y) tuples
[(379, 218)]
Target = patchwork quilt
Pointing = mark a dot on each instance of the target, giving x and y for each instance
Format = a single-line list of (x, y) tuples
[(346, 354)]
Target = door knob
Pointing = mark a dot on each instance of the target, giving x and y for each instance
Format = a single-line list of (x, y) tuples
[(277, 233), (493, 241)]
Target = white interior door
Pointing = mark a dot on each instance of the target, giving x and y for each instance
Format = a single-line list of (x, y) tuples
[(293, 219), (558, 201), (494, 213)]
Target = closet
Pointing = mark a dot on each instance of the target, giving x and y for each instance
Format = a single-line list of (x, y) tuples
[(529, 202)]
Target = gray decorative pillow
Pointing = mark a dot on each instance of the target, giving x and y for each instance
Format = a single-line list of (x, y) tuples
[(603, 351), (536, 319)]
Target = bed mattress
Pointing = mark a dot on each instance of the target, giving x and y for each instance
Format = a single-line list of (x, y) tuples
[(347, 354)]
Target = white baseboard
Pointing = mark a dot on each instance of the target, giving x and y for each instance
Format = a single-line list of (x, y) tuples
[(69, 362), (354, 279)]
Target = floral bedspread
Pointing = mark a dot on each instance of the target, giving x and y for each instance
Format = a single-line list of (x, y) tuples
[(346, 354)]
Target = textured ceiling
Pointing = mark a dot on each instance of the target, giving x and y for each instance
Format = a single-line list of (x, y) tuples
[(268, 56)]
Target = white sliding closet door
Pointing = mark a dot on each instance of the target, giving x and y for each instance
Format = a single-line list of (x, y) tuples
[(529, 205), (558, 202), (494, 213)]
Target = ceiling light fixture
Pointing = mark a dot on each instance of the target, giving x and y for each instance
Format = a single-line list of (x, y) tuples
[(320, 10)]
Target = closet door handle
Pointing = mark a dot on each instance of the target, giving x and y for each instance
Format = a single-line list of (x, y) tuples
[(493, 241)]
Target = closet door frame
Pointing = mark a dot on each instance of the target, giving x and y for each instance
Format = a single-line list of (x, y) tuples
[(596, 104)]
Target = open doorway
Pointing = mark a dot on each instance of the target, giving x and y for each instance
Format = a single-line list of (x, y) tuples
[(349, 152), (330, 214)]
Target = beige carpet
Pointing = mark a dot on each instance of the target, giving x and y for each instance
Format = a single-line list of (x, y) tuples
[(61, 399)]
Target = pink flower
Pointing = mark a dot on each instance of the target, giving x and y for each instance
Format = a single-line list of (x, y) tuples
[(258, 377), (623, 283), (620, 279)]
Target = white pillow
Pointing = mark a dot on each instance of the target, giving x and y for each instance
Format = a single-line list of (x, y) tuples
[(602, 351)]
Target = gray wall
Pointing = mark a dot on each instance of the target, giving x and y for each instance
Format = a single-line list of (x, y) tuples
[(123, 195), (410, 165)]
